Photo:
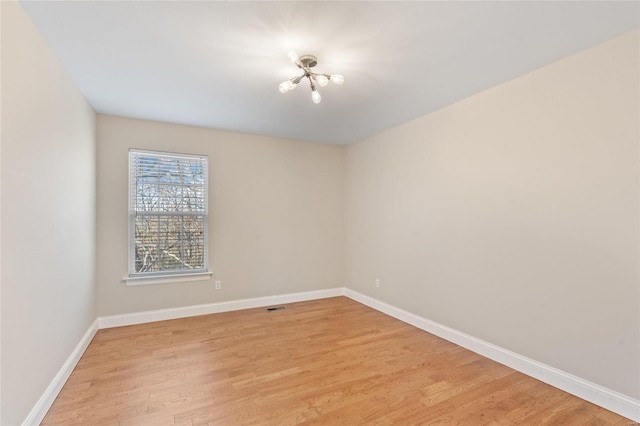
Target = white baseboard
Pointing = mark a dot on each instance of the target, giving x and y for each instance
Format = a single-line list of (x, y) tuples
[(214, 308), (599, 395), (46, 400)]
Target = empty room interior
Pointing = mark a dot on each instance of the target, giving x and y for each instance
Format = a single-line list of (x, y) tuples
[(332, 213)]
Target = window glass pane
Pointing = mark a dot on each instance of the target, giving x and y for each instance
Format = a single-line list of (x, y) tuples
[(146, 244), (193, 241), (146, 197), (168, 212)]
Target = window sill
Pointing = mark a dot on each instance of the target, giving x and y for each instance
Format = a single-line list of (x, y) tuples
[(166, 279)]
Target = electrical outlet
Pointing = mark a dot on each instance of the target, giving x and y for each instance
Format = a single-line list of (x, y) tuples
[(218, 284), (378, 282)]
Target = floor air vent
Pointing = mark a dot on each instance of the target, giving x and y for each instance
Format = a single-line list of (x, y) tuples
[(277, 308)]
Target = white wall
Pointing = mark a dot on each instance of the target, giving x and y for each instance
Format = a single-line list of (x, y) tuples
[(48, 211), (513, 215), (276, 215)]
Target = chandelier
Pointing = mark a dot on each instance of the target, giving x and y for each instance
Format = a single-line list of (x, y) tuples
[(305, 63)]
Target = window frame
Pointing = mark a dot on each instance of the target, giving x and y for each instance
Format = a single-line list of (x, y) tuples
[(159, 277)]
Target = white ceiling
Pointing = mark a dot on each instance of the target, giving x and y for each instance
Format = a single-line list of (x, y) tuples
[(218, 64)]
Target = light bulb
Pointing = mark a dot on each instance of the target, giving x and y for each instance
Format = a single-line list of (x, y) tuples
[(315, 97), (322, 80), (293, 86), (285, 86), (293, 56), (337, 79)]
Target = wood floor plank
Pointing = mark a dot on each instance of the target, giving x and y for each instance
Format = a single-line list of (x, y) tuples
[(331, 361)]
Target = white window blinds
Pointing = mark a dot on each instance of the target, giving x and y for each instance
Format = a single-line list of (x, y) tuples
[(168, 213)]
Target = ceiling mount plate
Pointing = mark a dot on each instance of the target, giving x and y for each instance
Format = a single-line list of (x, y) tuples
[(308, 61)]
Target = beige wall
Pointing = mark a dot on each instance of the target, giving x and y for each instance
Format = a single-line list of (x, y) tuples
[(513, 215), (48, 211), (276, 215)]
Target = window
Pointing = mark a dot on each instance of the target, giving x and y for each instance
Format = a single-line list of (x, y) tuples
[(168, 214)]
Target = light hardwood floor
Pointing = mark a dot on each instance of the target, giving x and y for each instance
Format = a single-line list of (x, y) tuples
[(329, 362)]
